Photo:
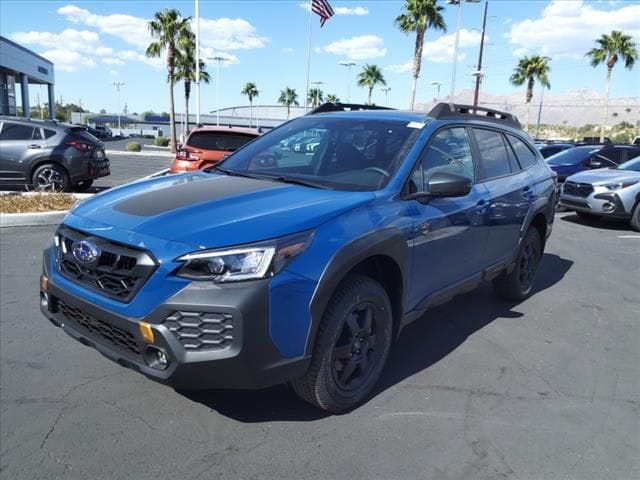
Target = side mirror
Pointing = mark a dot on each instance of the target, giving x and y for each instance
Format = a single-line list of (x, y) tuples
[(444, 184), (595, 164)]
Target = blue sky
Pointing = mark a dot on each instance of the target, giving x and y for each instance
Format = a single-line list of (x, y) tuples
[(94, 43)]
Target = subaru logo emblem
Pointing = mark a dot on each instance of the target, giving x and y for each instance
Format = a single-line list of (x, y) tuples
[(85, 251)]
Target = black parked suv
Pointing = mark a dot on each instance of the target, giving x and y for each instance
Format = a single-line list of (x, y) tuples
[(49, 155)]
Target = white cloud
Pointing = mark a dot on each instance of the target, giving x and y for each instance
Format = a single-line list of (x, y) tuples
[(112, 61), (568, 29), (358, 48), (401, 67), (113, 72), (287, 50), (158, 62), (230, 34), (133, 30), (69, 61), (351, 11), (208, 53), (341, 10), (75, 40), (441, 49)]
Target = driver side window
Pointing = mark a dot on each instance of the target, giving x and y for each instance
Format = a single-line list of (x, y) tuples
[(448, 151)]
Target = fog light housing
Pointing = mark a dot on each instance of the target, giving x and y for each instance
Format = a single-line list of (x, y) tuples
[(156, 357), (608, 207), (44, 300)]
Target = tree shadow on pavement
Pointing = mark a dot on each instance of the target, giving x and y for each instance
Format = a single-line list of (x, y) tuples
[(421, 344)]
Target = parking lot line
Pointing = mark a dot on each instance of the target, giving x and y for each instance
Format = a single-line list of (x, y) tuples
[(628, 236)]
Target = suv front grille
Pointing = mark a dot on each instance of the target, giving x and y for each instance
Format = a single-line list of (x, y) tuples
[(201, 330), (117, 272), (577, 189), (114, 335)]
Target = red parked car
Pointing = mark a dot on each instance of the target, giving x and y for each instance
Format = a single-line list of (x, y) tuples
[(206, 146)]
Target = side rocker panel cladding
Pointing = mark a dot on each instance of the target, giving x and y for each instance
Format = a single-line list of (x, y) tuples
[(389, 242)]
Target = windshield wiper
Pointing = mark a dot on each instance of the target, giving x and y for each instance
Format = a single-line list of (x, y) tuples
[(231, 173), (294, 181)]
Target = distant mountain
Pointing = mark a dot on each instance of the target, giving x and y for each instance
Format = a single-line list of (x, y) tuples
[(576, 107)]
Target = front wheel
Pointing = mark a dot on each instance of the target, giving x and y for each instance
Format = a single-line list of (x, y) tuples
[(352, 346), (518, 284), (635, 218)]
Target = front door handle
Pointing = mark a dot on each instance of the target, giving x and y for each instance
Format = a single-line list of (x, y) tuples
[(527, 192), (481, 207), (34, 146)]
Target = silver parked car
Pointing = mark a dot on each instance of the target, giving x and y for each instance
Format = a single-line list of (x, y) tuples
[(605, 192)]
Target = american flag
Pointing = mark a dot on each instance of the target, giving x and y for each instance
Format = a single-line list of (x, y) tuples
[(323, 9)]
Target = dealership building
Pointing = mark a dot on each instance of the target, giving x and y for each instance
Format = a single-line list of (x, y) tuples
[(19, 68)]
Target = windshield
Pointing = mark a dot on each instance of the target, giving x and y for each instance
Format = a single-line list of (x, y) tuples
[(327, 152), (632, 165), (571, 156)]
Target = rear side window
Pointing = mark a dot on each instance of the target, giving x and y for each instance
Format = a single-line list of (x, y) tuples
[(614, 154), (15, 131), (218, 141), (494, 158), (84, 134), (49, 133), (523, 152)]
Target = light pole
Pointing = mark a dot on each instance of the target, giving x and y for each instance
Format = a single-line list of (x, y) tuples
[(386, 91), (118, 85), (217, 59), (438, 85), (479, 75), (348, 65), (455, 47)]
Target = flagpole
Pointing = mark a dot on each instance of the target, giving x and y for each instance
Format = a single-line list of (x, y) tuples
[(306, 94), (197, 66)]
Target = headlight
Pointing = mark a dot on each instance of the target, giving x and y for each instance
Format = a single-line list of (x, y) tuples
[(619, 185), (249, 262)]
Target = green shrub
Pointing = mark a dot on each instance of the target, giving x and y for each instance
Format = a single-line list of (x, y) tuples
[(161, 141), (133, 147)]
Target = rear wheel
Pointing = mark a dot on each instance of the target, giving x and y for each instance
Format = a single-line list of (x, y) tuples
[(635, 218), (50, 176), (352, 346), (518, 284)]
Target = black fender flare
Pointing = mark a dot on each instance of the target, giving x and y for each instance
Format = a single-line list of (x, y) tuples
[(389, 242)]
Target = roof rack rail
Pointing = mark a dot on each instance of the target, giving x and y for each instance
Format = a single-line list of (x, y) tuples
[(345, 107), (457, 111)]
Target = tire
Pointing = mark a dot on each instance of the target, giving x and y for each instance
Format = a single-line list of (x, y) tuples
[(50, 176), (83, 186), (635, 218), (355, 337), (517, 285)]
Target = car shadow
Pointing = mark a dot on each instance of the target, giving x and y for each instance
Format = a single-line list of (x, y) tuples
[(600, 223), (421, 344)]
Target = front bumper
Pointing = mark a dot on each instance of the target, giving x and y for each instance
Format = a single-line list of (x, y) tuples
[(601, 202), (238, 353)]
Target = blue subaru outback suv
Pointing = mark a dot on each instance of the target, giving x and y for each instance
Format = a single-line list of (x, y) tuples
[(302, 266)]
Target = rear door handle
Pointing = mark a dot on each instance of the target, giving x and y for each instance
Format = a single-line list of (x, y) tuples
[(527, 192), (34, 146)]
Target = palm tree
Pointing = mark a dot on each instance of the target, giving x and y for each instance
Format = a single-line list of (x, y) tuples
[(528, 70), (251, 91), (611, 48), (185, 69), (316, 97), (369, 77), (332, 98), (167, 27), (417, 16), (288, 97)]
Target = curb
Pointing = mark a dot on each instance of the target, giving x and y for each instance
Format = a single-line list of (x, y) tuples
[(31, 219), (35, 219)]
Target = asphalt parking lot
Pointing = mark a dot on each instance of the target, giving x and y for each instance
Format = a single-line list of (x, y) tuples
[(478, 389)]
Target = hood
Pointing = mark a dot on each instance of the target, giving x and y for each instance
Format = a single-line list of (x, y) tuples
[(209, 210), (604, 176)]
